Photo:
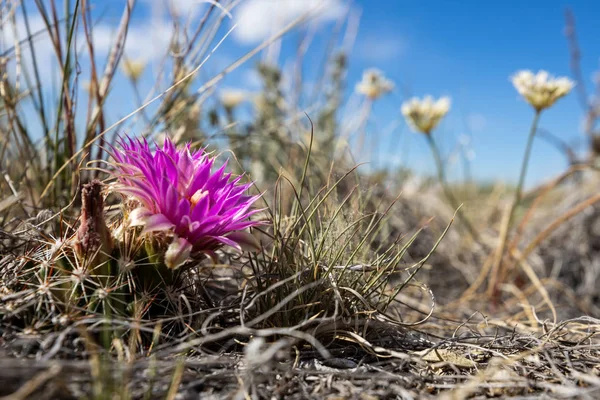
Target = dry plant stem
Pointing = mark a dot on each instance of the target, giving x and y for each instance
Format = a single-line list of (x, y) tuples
[(202, 89), (537, 191), (365, 114), (541, 193), (176, 380), (575, 62), (29, 388), (505, 229), (588, 106), (559, 221), (472, 290), (111, 66), (38, 88), (535, 280), (447, 192)]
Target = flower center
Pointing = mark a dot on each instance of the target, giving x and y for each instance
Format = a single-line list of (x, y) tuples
[(199, 195)]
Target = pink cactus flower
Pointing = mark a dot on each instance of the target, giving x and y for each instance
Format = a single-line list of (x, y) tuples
[(178, 194)]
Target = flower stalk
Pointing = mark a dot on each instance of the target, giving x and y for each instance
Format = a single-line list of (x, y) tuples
[(525, 164), (424, 115), (447, 191), (541, 91)]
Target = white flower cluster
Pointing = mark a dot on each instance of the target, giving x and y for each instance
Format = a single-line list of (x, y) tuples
[(541, 90), (423, 115), (231, 98), (133, 69), (374, 84)]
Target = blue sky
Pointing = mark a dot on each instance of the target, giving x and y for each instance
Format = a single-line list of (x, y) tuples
[(468, 50), (463, 49)]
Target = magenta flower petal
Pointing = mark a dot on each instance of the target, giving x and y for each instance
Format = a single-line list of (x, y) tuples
[(246, 240), (138, 216), (178, 253), (228, 242), (157, 222), (180, 193)]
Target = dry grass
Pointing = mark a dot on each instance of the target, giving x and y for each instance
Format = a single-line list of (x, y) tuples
[(508, 361)]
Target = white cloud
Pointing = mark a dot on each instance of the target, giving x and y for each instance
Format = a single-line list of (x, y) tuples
[(257, 20), (187, 7), (180, 8), (148, 41), (380, 48), (14, 41)]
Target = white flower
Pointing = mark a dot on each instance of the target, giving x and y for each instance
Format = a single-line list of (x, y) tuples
[(541, 90), (423, 115), (133, 69), (374, 84), (231, 98)]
